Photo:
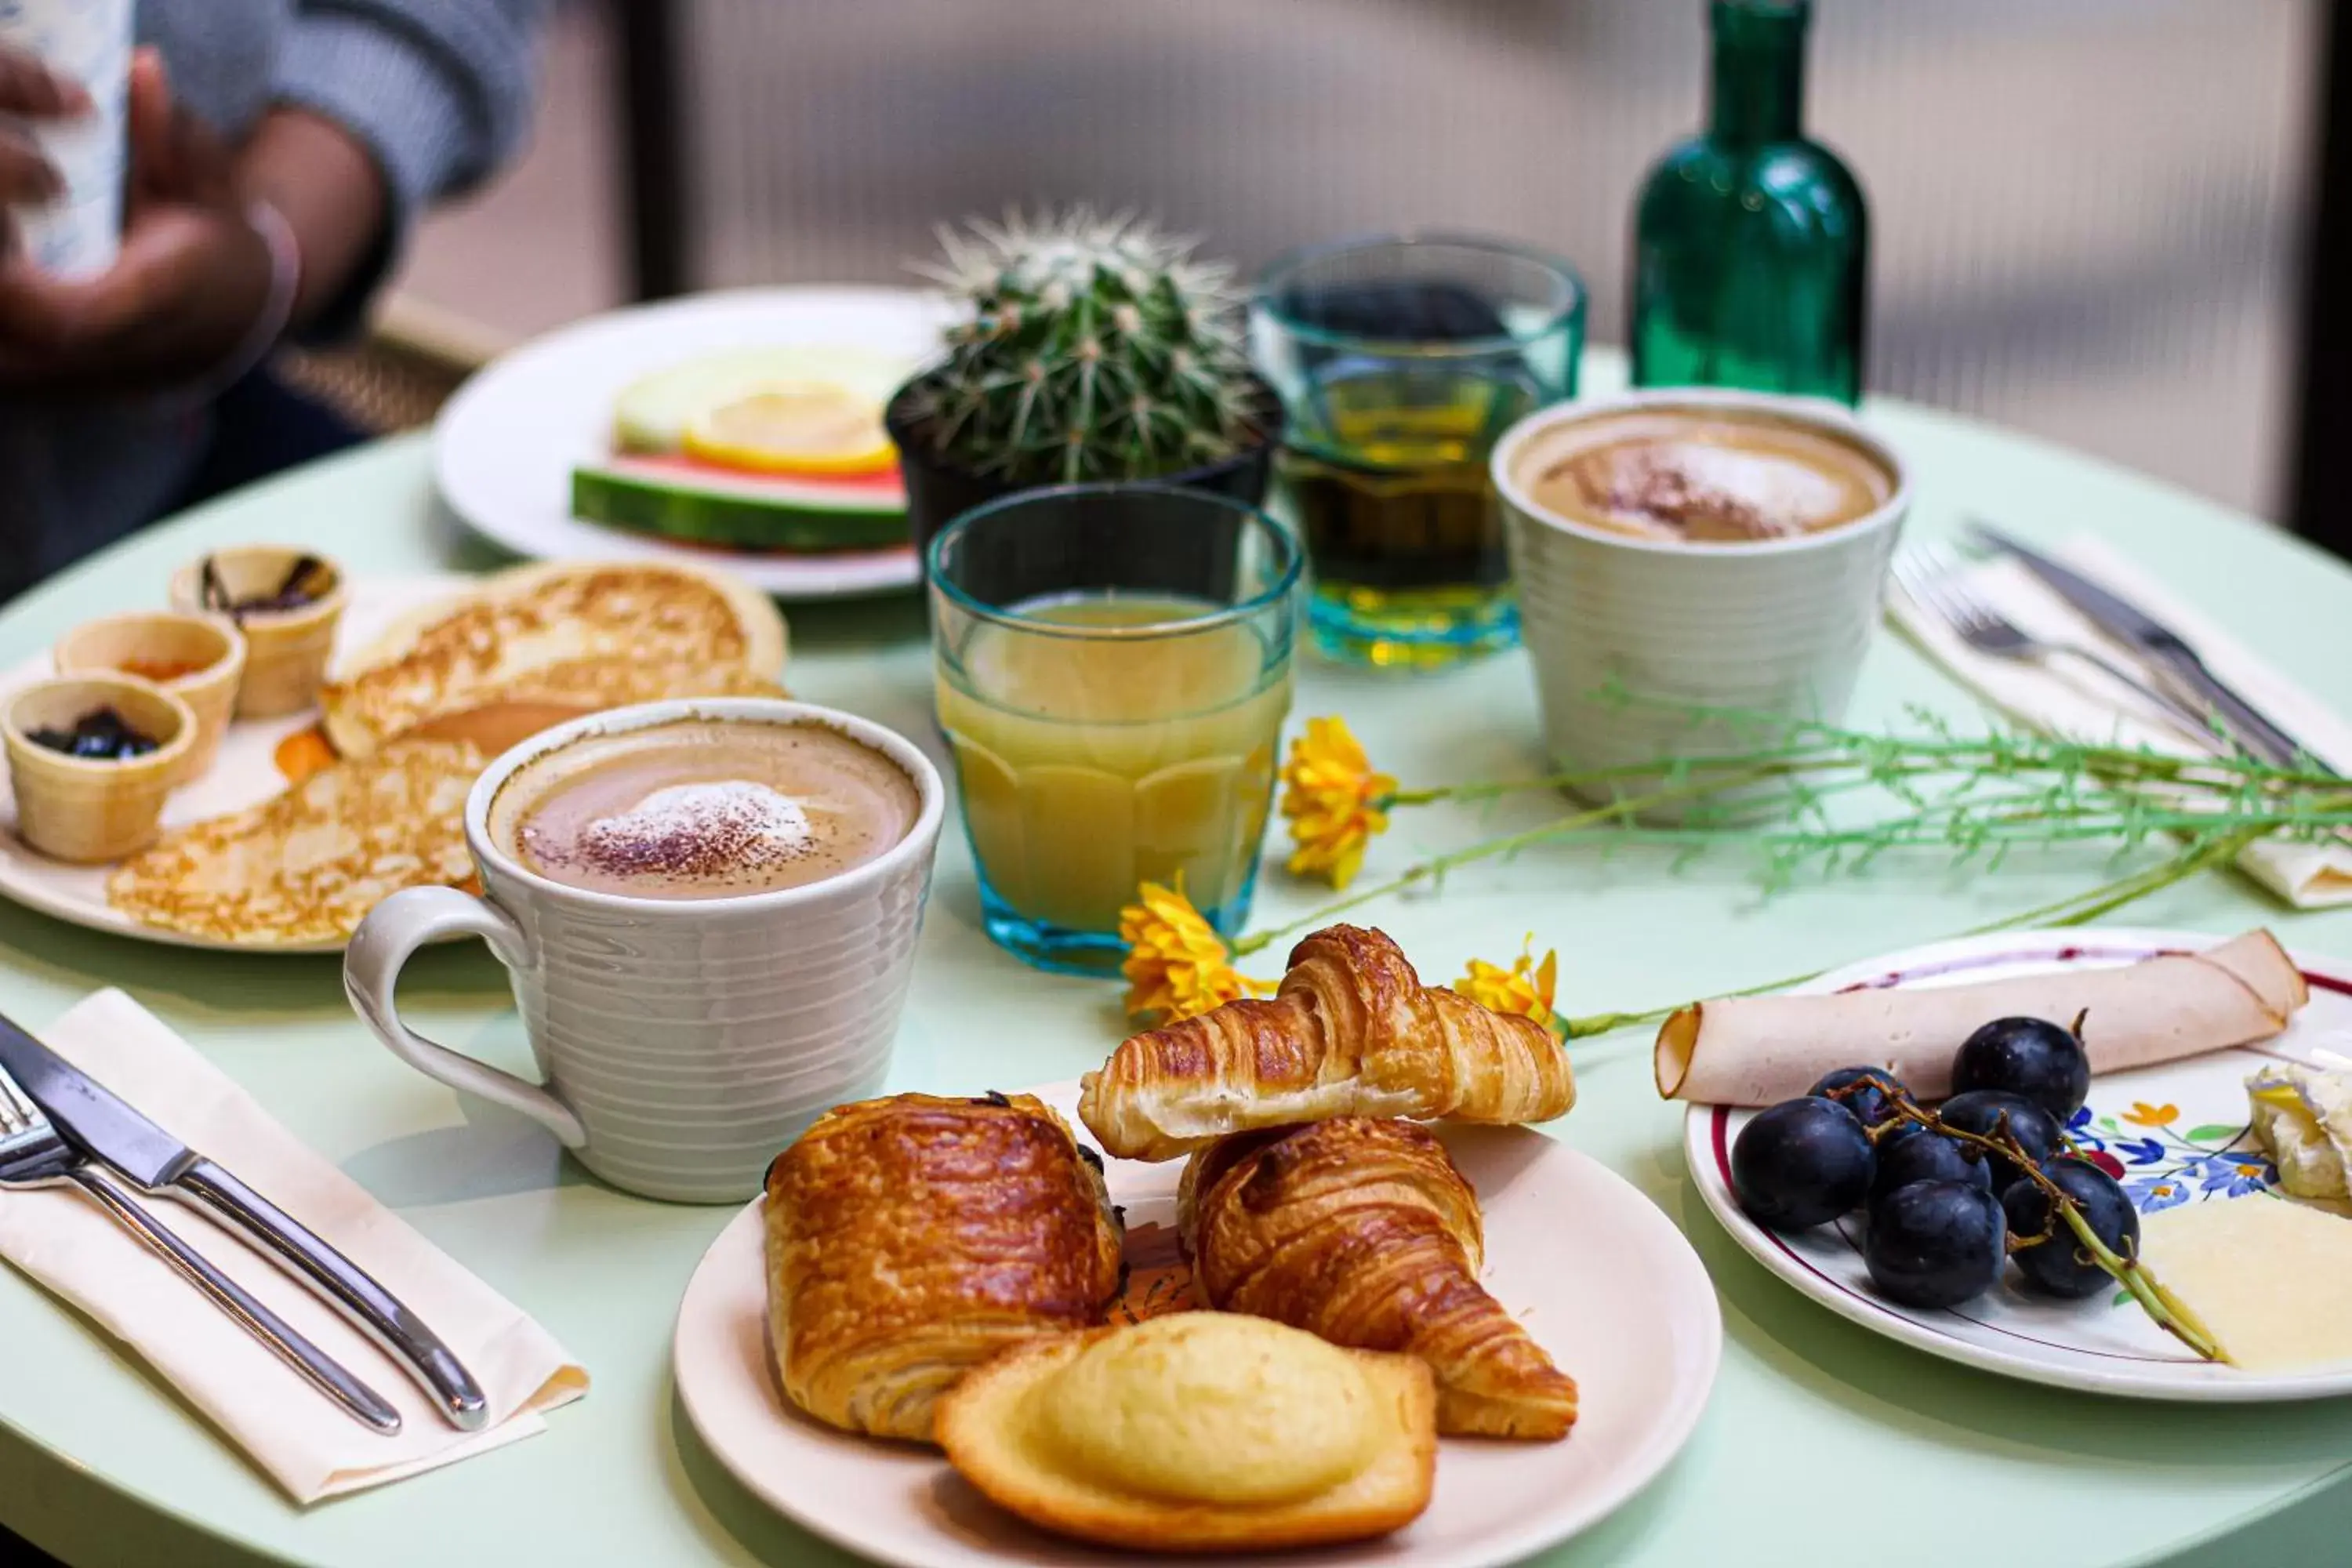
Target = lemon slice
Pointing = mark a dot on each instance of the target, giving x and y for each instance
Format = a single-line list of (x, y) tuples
[(793, 427)]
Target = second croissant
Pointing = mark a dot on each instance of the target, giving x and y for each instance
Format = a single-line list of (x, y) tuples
[(1365, 1234)]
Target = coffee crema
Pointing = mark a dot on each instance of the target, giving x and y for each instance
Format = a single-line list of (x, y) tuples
[(1703, 476), (704, 808)]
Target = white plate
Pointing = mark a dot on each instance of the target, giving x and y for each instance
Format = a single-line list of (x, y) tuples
[(2175, 1133), (504, 447), (1599, 1275), (245, 774)]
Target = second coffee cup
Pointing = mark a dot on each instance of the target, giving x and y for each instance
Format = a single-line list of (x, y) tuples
[(708, 908), (1698, 571)]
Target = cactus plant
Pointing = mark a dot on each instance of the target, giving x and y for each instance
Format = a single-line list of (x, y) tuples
[(1095, 348)]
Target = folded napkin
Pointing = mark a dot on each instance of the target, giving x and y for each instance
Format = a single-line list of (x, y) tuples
[(2070, 698), (307, 1444)]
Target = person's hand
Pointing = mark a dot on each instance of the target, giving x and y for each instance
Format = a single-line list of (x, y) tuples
[(29, 92), (192, 279)]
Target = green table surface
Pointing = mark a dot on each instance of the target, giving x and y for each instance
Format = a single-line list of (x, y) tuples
[(1824, 1443)]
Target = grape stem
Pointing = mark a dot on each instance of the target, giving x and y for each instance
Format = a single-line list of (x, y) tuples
[(2167, 1310)]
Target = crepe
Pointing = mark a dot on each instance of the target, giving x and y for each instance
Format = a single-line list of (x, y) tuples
[(536, 645), (1759, 1050), (303, 868)]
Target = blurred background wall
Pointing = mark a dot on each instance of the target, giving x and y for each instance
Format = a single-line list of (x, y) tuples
[(2086, 212)]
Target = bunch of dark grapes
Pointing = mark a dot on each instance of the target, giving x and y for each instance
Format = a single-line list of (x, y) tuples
[(1950, 1195)]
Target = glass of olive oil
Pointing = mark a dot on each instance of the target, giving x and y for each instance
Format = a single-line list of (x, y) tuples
[(1400, 363), (1112, 670)]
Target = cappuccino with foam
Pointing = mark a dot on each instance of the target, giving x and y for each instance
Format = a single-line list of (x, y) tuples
[(703, 808)]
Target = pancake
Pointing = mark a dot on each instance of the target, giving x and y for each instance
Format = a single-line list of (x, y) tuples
[(304, 868), (536, 645)]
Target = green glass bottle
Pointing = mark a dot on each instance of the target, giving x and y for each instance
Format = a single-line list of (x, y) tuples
[(1751, 245)]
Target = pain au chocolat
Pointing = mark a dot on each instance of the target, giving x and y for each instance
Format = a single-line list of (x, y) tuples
[(910, 1239)]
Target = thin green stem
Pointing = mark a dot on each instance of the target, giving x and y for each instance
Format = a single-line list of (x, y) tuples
[(1487, 850), (1832, 749), (2075, 911)]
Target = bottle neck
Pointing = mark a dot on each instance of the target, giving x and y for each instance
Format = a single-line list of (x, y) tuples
[(1758, 89)]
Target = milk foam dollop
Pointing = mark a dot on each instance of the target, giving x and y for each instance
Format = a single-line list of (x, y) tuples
[(700, 830)]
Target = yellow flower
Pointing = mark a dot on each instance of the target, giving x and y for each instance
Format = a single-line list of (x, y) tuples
[(1333, 799), (2146, 1115), (1525, 988), (1177, 965)]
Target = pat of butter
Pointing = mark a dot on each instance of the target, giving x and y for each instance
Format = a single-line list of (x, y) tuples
[(2269, 1277), (2302, 1118)]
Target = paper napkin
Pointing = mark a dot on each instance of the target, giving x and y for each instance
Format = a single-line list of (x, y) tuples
[(2068, 697), (307, 1444)]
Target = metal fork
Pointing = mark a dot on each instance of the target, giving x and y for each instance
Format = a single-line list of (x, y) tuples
[(33, 1155), (1932, 576)]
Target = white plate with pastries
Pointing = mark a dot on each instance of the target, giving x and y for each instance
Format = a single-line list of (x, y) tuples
[(1640, 1333), (2179, 1136)]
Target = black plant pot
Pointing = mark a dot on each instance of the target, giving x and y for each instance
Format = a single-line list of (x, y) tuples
[(940, 490)]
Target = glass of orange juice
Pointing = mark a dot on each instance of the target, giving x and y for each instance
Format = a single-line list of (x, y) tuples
[(1113, 668)]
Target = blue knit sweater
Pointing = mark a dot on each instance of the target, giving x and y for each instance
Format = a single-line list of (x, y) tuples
[(439, 92)]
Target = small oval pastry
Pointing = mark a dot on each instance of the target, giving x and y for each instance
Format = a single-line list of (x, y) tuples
[(1198, 1432)]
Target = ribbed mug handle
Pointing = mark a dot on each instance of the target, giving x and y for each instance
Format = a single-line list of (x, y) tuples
[(371, 965)]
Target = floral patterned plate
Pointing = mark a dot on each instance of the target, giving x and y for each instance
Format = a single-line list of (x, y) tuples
[(2173, 1134)]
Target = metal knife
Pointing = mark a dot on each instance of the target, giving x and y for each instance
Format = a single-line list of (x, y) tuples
[(112, 1133), (2160, 645)]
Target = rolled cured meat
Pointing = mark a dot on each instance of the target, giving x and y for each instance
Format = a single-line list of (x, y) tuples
[(1760, 1050)]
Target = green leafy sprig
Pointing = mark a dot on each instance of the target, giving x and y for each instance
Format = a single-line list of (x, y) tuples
[(1845, 799)]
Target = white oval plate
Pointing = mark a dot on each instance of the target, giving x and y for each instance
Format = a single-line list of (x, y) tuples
[(505, 445), (1599, 1275), (245, 774), (2174, 1133)]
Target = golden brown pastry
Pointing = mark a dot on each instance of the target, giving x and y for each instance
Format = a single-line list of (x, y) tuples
[(1197, 1432), (1364, 1233), (912, 1237), (1352, 1032)]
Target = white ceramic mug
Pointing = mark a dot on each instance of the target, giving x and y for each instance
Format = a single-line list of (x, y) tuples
[(683, 1041), (1627, 635)]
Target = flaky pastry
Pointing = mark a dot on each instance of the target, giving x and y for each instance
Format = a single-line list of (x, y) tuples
[(1364, 1233), (911, 1237), (1351, 1031)]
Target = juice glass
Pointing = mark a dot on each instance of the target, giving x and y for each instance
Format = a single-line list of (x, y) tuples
[(1113, 668), (1400, 363)]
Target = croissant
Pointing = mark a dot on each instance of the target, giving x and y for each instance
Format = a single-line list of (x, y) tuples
[(1364, 1233), (912, 1237), (1351, 1031)]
